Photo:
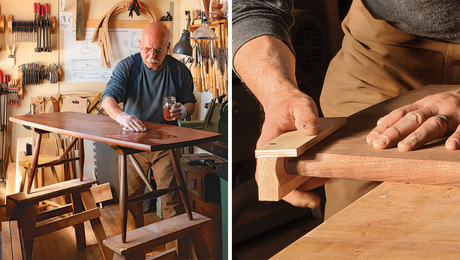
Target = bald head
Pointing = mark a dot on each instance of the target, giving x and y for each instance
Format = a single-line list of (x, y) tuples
[(156, 30), (154, 44)]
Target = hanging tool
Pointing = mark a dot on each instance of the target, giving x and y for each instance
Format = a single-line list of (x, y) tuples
[(36, 27), (11, 50), (48, 29), (134, 6)]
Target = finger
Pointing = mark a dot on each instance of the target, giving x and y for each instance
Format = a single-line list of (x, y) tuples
[(304, 199), (402, 128), (389, 120), (433, 128), (134, 125), (453, 142), (306, 120)]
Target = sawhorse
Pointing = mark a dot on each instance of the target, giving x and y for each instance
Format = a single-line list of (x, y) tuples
[(34, 224)]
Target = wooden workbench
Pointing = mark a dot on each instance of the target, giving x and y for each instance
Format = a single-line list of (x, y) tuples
[(393, 221)]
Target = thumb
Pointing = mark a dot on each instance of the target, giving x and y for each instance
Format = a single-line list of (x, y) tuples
[(307, 124)]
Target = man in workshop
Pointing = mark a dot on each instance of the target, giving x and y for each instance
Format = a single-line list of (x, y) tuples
[(159, 75), (390, 47)]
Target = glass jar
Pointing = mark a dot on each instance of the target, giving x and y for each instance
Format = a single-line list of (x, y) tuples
[(168, 102)]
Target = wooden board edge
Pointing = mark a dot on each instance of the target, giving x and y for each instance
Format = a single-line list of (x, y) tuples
[(332, 125)]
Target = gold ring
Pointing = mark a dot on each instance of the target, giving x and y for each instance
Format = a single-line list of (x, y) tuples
[(445, 119)]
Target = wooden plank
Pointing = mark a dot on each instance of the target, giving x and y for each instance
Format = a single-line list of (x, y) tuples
[(345, 154), (54, 212), (16, 241), (102, 192), (155, 234), (12, 246), (51, 191), (80, 20), (393, 221), (294, 143), (7, 250)]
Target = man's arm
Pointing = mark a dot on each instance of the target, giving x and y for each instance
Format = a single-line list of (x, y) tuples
[(266, 64)]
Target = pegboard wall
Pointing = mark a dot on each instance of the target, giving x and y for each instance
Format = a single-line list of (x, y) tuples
[(25, 47)]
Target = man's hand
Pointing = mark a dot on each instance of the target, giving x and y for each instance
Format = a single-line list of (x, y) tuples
[(267, 67), (178, 110), (130, 122), (414, 125)]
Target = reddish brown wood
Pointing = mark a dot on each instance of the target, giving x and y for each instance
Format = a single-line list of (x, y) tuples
[(106, 130), (345, 154)]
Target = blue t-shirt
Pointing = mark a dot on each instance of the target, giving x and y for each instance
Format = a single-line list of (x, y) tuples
[(144, 99)]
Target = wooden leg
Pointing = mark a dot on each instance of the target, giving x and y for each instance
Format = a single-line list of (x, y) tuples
[(182, 249), (123, 198), (23, 179), (79, 228), (181, 183), (34, 163), (98, 229), (199, 243), (139, 171), (81, 154)]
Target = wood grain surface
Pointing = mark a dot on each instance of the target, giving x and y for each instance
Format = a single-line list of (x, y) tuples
[(104, 129), (345, 154), (393, 221), (294, 143)]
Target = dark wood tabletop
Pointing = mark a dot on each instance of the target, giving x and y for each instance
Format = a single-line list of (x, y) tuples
[(104, 129), (345, 154)]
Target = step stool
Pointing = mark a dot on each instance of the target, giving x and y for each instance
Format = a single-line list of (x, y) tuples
[(189, 234), (82, 208), (12, 245)]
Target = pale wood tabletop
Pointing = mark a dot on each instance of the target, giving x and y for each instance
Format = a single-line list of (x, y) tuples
[(393, 221)]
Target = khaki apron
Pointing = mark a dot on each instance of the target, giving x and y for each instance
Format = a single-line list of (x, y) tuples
[(377, 62)]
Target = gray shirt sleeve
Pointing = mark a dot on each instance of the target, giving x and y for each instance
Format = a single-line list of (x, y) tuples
[(252, 18)]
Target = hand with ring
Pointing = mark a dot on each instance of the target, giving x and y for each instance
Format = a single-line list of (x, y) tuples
[(130, 122), (411, 126)]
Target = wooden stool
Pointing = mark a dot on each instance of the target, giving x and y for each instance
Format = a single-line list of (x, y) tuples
[(12, 245), (34, 224), (144, 239)]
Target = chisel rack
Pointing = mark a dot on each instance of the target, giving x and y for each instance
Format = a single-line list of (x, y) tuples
[(210, 60)]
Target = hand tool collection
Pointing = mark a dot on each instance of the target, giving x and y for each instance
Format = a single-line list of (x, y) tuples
[(9, 95), (33, 73), (210, 73), (38, 30)]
